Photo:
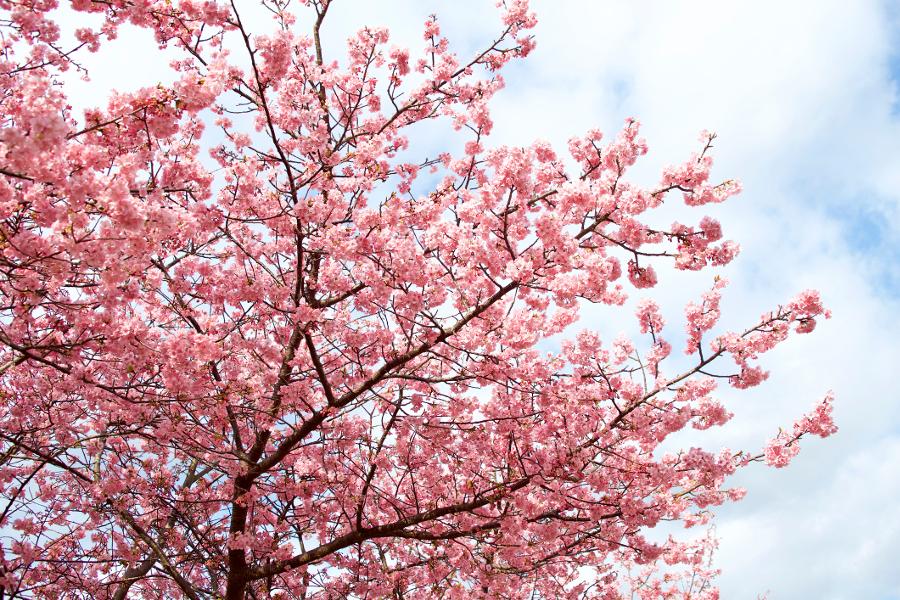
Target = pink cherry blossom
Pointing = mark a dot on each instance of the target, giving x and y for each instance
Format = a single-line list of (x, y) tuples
[(254, 342), (783, 447)]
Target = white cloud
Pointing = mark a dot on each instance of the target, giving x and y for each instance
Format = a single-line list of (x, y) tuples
[(800, 93), (836, 540)]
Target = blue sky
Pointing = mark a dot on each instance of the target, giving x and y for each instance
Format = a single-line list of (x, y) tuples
[(805, 97)]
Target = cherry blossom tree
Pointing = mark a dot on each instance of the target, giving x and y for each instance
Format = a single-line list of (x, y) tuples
[(253, 343)]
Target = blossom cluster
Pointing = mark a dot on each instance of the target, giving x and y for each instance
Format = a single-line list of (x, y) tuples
[(254, 343)]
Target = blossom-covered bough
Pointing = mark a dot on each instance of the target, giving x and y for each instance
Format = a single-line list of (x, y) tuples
[(254, 345)]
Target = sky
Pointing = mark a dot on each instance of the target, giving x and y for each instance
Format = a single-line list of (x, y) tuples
[(804, 97)]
